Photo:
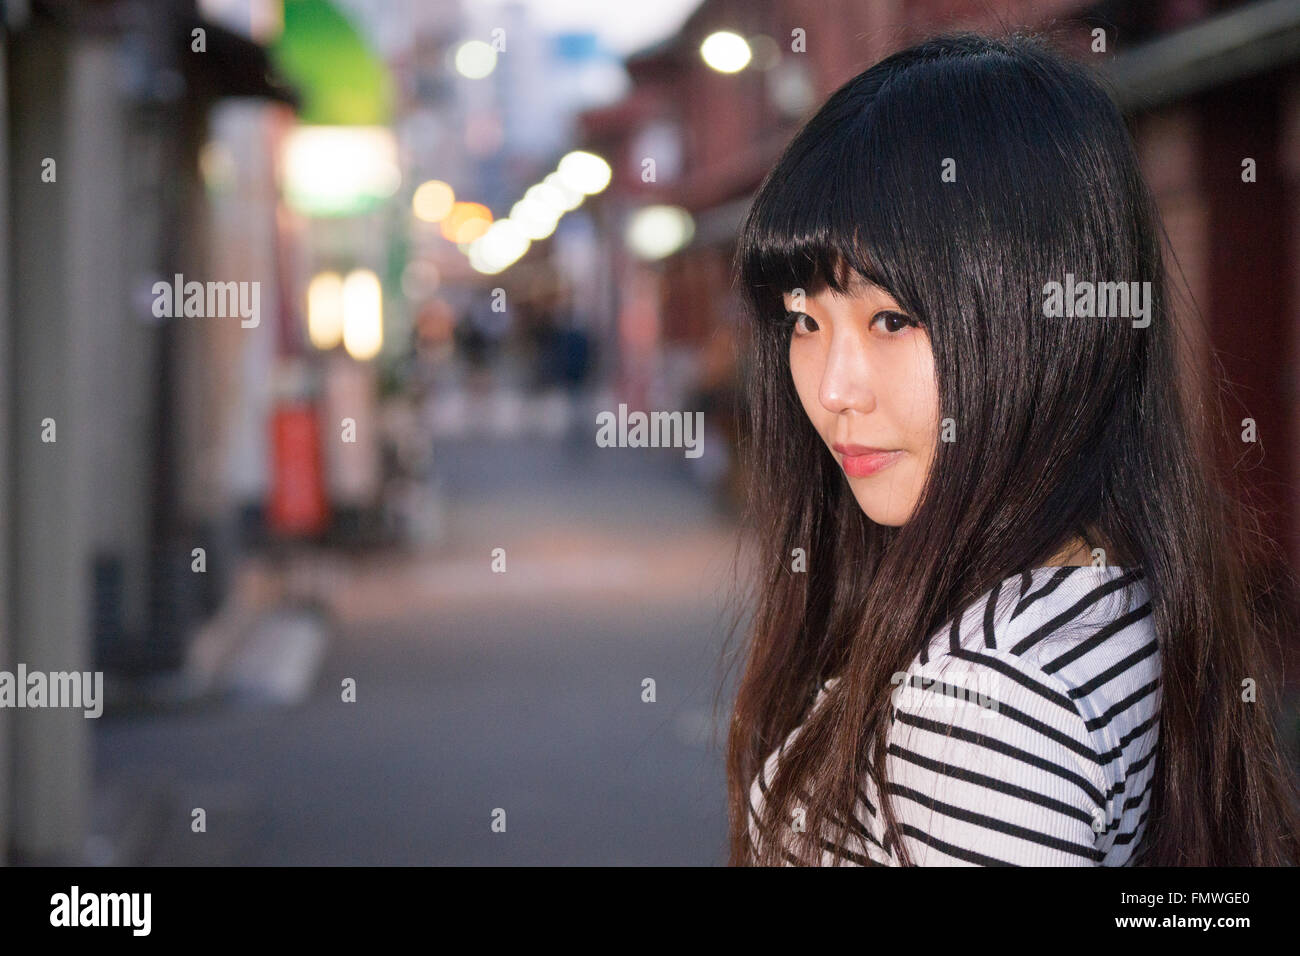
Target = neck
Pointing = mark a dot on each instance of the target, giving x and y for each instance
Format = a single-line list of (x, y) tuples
[(1076, 553)]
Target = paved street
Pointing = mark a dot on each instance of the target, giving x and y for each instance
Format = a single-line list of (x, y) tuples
[(474, 690)]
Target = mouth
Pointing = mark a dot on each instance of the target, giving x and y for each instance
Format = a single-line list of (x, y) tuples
[(859, 461)]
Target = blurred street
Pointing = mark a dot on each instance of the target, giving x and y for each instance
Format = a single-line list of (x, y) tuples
[(475, 690)]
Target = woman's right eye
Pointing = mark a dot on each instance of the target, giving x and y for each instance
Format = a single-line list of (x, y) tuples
[(809, 324)]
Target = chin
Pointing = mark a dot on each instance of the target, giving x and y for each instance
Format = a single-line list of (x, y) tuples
[(880, 509)]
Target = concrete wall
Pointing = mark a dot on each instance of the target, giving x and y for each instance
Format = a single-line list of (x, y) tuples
[(6, 384), (82, 357)]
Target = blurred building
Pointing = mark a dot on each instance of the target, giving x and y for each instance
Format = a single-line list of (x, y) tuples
[(106, 489)]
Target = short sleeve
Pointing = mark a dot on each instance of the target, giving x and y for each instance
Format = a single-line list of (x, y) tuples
[(991, 764)]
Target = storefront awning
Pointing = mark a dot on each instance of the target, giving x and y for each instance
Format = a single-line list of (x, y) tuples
[(232, 65), (1248, 40)]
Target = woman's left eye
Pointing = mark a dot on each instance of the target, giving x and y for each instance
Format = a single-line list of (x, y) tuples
[(894, 321)]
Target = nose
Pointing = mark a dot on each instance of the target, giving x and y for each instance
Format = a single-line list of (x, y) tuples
[(846, 380)]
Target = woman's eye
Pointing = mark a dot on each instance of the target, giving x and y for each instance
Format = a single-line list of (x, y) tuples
[(803, 323), (894, 322)]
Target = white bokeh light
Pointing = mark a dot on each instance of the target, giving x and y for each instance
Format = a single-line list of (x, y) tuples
[(584, 172), (658, 231), (475, 59), (725, 51)]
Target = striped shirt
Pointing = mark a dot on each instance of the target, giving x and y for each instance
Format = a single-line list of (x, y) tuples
[(1023, 735)]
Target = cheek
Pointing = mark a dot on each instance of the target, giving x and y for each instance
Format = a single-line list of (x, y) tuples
[(806, 371), (918, 399)]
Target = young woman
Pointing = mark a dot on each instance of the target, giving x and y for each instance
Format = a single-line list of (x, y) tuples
[(1003, 615)]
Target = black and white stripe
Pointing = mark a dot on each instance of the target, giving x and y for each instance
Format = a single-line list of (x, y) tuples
[(1056, 768)]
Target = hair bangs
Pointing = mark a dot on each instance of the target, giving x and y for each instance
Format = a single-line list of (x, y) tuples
[(824, 214)]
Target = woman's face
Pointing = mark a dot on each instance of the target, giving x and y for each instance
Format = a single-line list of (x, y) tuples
[(865, 376)]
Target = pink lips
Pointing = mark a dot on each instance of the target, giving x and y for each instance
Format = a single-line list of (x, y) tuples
[(859, 461)]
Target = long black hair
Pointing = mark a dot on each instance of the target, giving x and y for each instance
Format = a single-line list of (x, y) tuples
[(962, 175)]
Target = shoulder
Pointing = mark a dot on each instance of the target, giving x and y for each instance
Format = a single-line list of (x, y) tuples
[(1086, 631), (1006, 739)]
